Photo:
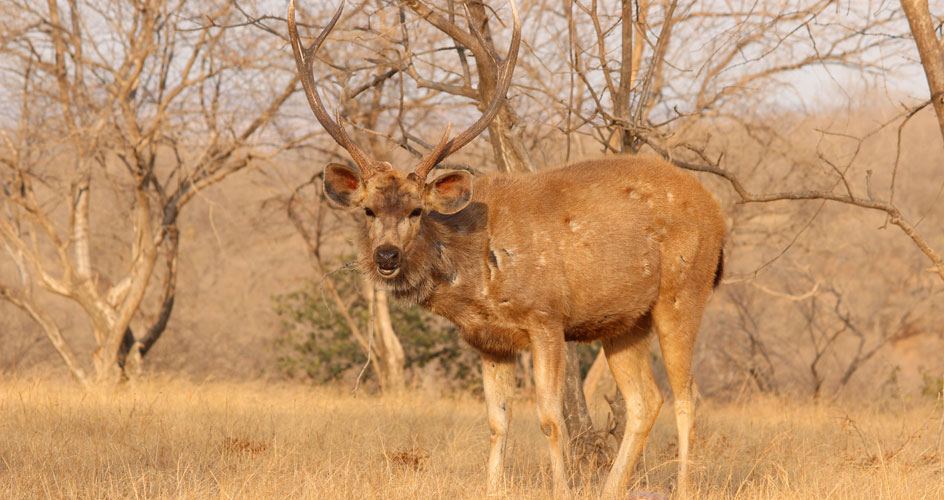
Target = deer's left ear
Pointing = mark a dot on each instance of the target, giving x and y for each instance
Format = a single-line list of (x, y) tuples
[(450, 193)]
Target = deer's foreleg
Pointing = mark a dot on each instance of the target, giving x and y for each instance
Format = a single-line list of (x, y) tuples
[(547, 348), (498, 376)]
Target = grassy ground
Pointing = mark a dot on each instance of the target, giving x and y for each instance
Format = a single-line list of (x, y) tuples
[(175, 439)]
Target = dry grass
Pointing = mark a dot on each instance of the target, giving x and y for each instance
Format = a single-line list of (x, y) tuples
[(175, 439)]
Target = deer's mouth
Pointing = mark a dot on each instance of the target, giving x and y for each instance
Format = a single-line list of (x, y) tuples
[(388, 273)]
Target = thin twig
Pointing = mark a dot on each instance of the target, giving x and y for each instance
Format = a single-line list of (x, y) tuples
[(370, 346)]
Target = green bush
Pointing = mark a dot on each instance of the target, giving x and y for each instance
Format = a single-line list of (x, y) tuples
[(317, 344), (933, 385)]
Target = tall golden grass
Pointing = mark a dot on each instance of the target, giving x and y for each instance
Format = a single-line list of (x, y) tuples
[(177, 439)]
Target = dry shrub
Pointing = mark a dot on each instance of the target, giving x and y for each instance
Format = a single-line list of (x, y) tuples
[(414, 458), (241, 446)]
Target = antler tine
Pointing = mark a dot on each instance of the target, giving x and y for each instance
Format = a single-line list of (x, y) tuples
[(444, 148), (304, 57), (429, 161)]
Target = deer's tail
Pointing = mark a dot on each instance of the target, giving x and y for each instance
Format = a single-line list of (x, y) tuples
[(719, 271)]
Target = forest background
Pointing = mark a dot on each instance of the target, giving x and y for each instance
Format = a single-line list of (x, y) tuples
[(179, 315), (160, 181)]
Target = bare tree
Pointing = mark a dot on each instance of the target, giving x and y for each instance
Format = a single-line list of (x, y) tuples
[(122, 108)]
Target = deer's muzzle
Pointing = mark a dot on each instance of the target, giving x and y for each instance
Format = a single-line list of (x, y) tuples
[(387, 258)]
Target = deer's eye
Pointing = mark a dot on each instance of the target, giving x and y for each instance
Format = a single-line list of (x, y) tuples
[(416, 212), (369, 212)]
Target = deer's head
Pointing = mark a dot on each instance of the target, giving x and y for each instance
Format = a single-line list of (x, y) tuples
[(395, 203)]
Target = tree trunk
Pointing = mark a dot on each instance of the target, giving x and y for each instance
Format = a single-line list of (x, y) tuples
[(587, 447), (392, 357), (598, 370), (576, 413), (526, 371), (931, 51), (510, 154), (388, 352), (112, 321), (630, 59)]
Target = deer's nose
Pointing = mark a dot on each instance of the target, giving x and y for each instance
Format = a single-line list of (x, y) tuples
[(387, 257)]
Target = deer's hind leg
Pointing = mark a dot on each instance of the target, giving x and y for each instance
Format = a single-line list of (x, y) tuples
[(628, 357), (677, 316)]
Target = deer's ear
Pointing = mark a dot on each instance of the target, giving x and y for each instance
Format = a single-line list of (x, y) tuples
[(450, 193), (344, 186)]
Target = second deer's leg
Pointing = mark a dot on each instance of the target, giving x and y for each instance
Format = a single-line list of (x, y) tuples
[(628, 357), (498, 376), (549, 357)]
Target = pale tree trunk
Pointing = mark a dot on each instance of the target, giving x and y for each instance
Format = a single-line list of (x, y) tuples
[(598, 385), (111, 315), (527, 371), (80, 222), (595, 376), (510, 154), (931, 51), (388, 352), (392, 357)]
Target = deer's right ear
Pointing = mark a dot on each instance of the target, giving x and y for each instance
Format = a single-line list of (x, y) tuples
[(344, 186)]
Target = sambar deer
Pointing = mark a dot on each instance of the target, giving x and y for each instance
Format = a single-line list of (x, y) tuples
[(603, 250)]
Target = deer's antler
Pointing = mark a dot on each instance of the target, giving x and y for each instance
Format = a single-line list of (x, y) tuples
[(446, 148), (304, 56)]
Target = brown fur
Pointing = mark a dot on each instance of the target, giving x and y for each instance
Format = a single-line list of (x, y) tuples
[(596, 250)]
